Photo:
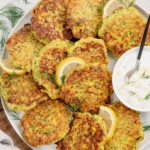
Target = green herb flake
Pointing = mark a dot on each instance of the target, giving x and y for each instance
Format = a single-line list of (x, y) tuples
[(146, 127), (26, 1), (132, 93), (101, 8), (145, 76), (14, 115), (147, 96), (63, 79), (131, 82)]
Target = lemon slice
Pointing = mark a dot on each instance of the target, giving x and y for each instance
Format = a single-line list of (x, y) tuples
[(66, 66), (112, 5), (8, 67), (109, 117)]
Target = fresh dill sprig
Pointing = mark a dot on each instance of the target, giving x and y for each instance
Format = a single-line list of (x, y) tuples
[(14, 115), (101, 8), (26, 1), (146, 127), (145, 76), (50, 77), (5, 31), (12, 12), (147, 96), (132, 93), (73, 109), (126, 3), (63, 79), (11, 76)]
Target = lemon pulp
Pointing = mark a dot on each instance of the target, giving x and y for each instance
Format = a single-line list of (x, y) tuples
[(66, 66)]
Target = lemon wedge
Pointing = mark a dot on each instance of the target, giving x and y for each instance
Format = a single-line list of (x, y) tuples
[(112, 5), (66, 66), (8, 67), (109, 117)]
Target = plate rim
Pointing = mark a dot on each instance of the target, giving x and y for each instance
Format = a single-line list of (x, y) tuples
[(5, 107)]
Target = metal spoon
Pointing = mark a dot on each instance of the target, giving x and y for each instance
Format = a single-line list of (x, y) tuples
[(130, 72)]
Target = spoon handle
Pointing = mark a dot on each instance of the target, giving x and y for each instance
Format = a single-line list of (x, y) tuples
[(144, 38)]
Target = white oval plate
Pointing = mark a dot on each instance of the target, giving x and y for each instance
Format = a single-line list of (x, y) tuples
[(112, 60)]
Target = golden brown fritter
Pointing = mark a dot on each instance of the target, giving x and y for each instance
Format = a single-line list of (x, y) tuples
[(128, 131), (22, 47), (21, 92), (90, 49), (88, 87), (123, 30), (48, 20), (87, 132), (84, 17), (46, 123), (44, 66)]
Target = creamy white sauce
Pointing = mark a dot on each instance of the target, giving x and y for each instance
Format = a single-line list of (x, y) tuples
[(137, 91)]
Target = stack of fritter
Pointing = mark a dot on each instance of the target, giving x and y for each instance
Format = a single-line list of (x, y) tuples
[(68, 115)]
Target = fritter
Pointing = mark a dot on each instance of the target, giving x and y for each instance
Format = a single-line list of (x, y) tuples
[(46, 123), (84, 18), (49, 19), (21, 92), (23, 46), (90, 49), (123, 30), (88, 87), (87, 132), (128, 131), (44, 66)]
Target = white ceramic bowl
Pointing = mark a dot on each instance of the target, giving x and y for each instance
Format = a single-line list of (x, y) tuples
[(136, 94)]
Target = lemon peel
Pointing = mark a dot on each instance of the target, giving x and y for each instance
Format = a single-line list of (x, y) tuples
[(9, 68), (109, 118)]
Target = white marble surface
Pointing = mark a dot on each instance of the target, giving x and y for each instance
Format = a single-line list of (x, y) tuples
[(145, 4)]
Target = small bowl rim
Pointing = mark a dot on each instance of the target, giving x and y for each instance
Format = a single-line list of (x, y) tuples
[(120, 98)]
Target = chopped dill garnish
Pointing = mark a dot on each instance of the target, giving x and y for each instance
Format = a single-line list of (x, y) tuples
[(11, 76), (132, 93), (73, 109), (50, 77), (14, 115), (131, 82), (145, 76), (147, 96), (101, 8)]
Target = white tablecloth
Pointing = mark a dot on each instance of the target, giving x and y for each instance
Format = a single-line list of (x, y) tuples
[(26, 5)]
